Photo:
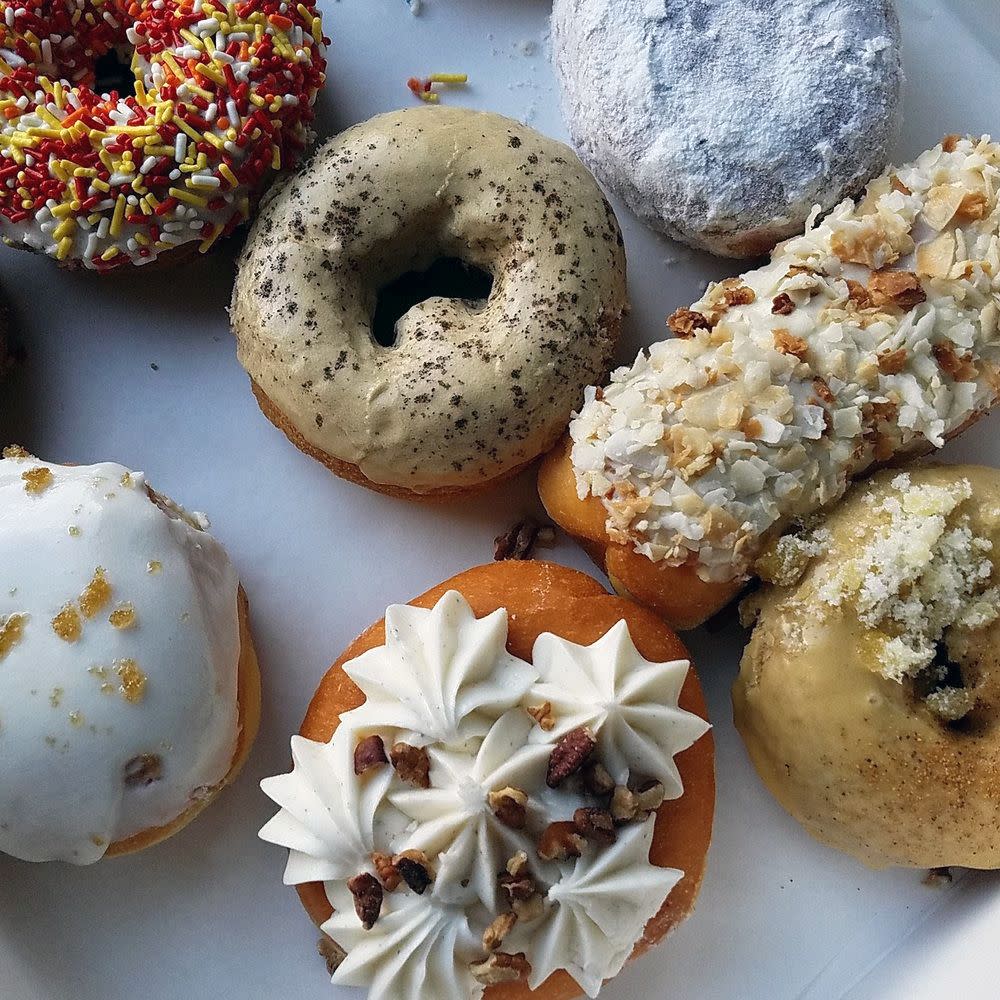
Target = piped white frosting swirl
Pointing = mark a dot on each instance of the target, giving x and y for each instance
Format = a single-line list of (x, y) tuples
[(456, 690)]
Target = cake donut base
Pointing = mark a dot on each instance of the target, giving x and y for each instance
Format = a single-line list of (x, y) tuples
[(544, 597)]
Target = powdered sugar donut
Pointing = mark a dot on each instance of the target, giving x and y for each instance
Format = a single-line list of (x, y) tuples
[(722, 123)]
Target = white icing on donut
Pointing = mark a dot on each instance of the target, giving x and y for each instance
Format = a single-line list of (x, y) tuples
[(125, 642), (593, 909), (731, 118)]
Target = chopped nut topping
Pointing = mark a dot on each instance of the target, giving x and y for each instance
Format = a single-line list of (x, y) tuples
[(387, 872), (560, 841), (520, 541), (412, 764), (529, 909), (16, 451), (736, 293), (37, 480), (331, 953), (892, 362), (494, 934), (517, 864), (11, 632), (501, 968), (858, 294), (973, 206), (651, 796), (369, 753), (55, 699), (823, 391), (596, 825), (415, 869), (67, 624), (897, 185), (569, 755), (787, 343), (96, 594), (143, 770), (517, 888), (949, 142), (123, 616), (958, 366), (624, 804), (542, 714), (368, 896), (901, 289), (509, 805), (133, 680), (684, 322), (597, 780), (154, 566), (782, 305)]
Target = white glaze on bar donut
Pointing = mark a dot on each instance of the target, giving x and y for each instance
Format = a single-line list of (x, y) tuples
[(152, 669)]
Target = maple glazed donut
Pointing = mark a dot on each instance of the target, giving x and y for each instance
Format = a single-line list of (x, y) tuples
[(871, 337), (513, 777), (128, 678), (472, 386), (222, 100)]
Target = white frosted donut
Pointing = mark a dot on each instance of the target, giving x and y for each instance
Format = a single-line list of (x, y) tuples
[(120, 658), (722, 123), (470, 390)]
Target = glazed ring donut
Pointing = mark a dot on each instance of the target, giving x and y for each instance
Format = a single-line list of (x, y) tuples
[(470, 391), (869, 694), (544, 598), (870, 338), (223, 99), (128, 675)]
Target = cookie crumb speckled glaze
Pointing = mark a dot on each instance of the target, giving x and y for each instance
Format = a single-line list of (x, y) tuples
[(470, 390), (129, 692), (722, 123)]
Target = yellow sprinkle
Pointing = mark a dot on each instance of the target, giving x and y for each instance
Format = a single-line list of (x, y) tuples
[(192, 38), (61, 211), (64, 247), (214, 140), (212, 72), (110, 253), (118, 217), (84, 172), (449, 78), (65, 228), (190, 132), (228, 175), (211, 238), (276, 158), (191, 199), (101, 185), (429, 96)]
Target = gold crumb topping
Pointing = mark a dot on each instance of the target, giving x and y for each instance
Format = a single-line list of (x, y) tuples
[(76, 719), (74, 531), (123, 616), (133, 680), (15, 451), (37, 480), (56, 697), (97, 841), (11, 632), (96, 594), (154, 566), (67, 624), (126, 480)]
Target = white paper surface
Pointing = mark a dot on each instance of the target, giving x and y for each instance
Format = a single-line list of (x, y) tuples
[(205, 915)]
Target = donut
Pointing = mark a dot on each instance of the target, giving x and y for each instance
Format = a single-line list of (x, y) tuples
[(459, 392), (128, 678), (723, 122), (869, 693), (222, 101), (871, 337), (553, 713)]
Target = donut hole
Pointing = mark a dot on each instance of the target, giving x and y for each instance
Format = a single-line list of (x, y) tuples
[(945, 687), (113, 73), (446, 277)]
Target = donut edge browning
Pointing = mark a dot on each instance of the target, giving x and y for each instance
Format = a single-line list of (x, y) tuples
[(535, 593)]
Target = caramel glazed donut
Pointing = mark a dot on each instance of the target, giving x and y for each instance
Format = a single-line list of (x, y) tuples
[(869, 692), (871, 337), (470, 391), (128, 681)]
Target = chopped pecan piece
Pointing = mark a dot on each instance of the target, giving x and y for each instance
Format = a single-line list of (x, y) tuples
[(494, 934), (596, 825), (143, 770), (387, 872), (510, 806), (950, 142), (529, 909), (901, 289), (736, 293), (973, 206), (331, 952), (651, 796), (684, 322), (892, 362), (560, 841), (369, 753), (521, 540), (415, 869), (858, 294), (787, 343), (569, 755), (412, 764), (367, 893), (624, 804), (958, 366), (897, 185), (823, 391), (518, 864), (782, 305), (596, 779), (542, 714), (501, 968), (517, 888)]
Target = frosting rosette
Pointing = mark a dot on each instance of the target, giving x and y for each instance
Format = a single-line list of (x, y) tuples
[(479, 818)]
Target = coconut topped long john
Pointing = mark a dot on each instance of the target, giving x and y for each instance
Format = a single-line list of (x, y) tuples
[(872, 336), (479, 819)]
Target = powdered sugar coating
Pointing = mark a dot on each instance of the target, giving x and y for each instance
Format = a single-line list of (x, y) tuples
[(721, 123), (875, 334)]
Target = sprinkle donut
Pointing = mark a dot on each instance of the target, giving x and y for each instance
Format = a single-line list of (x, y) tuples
[(222, 100)]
